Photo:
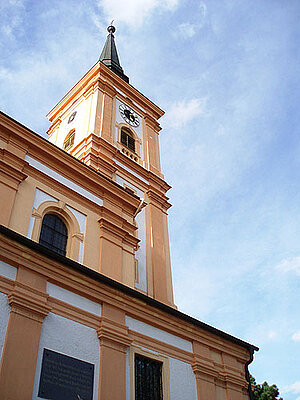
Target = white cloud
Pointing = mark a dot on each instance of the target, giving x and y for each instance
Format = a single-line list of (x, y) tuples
[(272, 335), (290, 265), (11, 19), (294, 388), (181, 112), (296, 336), (134, 12), (186, 30)]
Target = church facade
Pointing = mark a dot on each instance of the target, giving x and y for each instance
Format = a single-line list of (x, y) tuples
[(86, 297)]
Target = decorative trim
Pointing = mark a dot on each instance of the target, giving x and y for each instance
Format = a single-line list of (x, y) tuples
[(59, 208), (159, 346), (6, 285), (64, 181), (29, 302), (131, 171), (76, 314), (19, 250), (114, 335), (158, 357)]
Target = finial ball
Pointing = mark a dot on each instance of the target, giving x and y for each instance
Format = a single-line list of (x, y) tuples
[(111, 29)]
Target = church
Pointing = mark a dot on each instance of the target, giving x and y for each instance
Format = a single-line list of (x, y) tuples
[(86, 296)]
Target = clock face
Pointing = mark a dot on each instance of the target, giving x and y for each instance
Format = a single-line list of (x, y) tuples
[(129, 115)]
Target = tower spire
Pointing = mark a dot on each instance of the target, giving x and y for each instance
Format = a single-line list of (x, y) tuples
[(109, 55)]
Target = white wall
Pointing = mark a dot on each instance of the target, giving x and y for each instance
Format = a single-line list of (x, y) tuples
[(64, 181), (73, 299), (8, 272), (72, 339), (182, 381), (4, 316), (158, 334)]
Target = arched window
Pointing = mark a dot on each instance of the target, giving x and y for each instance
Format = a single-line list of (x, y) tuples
[(69, 140), (127, 139), (54, 234)]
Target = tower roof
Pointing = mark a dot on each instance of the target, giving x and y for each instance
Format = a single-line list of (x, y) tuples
[(109, 55)]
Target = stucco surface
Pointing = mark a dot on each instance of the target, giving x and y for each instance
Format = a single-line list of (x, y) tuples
[(64, 181), (141, 252), (182, 381), (71, 338), (4, 316), (73, 299), (8, 271), (158, 334)]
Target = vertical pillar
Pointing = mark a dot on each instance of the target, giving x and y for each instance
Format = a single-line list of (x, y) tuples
[(107, 110), (28, 302), (117, 246), (235, 380), (114, 341), (11, 176), (162, 282), (152, 146), (205, 372)]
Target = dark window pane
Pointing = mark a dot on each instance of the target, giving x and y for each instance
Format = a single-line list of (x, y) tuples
[(69, 140), (131, 143), (54, 234), (124, 138), (148, 379), (127, 140)]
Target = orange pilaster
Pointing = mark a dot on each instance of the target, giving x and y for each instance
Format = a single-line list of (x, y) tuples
[(28, 301), (114, 341)]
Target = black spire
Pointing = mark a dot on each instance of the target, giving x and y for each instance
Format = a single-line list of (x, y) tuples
[(109, 55)]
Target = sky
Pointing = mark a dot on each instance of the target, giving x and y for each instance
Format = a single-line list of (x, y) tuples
[(227, 74)]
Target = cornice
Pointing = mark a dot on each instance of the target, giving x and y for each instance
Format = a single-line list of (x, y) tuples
[(118, 226), (29, 302), (158, 200), (106, 87), (113, 334), (102, 73), (52, 156), (205, 369), (12, 167), (20, 251), (152, 122), (94, 144)]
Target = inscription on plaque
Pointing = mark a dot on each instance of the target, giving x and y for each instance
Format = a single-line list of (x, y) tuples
[(65, 378)]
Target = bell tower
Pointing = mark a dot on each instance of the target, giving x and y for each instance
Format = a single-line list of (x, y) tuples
[(113, 128)]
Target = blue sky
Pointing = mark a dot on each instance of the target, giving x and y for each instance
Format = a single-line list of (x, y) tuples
[(227, 74)]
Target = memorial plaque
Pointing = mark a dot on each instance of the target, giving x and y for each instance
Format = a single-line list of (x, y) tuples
[(65, 378)]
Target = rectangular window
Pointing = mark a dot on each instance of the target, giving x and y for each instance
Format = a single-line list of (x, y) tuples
[(148, 378), (149, 373)]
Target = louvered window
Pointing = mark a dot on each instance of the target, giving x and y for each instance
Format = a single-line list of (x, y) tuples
[(54, 234), (69, 140), (127, 139), (148, 378)]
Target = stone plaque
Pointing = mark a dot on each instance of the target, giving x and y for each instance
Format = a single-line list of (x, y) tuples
[(65, 378)]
